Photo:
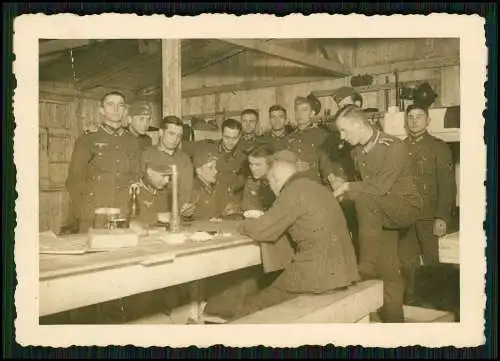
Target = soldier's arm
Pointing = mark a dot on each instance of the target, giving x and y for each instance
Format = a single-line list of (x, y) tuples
[(275, 222), (247, 199), (135, 162), (381, 183), (329, 165), (445, 174), (75, 183)]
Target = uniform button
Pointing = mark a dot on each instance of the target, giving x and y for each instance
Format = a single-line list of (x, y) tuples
[(117, 146), (410, 153), (118, 174), (117, 161), (91, 194), (300, 150), (99, 154), (363, 164), (206, 202)]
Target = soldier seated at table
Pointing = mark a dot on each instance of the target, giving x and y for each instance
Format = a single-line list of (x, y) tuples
[(257, 195), (324, 257), (152, 194), (231, 159), (209, 202)]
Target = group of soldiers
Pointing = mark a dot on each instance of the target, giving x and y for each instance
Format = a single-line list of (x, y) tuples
[(354, 202)]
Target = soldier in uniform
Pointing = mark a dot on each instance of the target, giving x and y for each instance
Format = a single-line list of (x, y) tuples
[(104, 163), (168, 152), (387, 201), (249, 121), (231, 160), (206, 198), (324, 259), (139, 119), (306, 140), (433, 170), (277, 136), (257, 195), (152, 195)]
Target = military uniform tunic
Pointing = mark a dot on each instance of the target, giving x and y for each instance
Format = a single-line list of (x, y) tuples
[(305, 144), (277, 142), (103, 166), (324, 258), (209, 201), (151, 202), (257, 195), (433, 171), (144, 140), (232, 167)]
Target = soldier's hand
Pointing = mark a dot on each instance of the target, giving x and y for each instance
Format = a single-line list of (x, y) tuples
[(230, 209), (344, 187), (302, 166), (187, 209), (335, 182), (439, 227)]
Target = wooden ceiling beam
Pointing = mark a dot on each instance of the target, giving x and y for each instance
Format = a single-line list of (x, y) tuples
[(328, 66), (54, 46), (107, 74)]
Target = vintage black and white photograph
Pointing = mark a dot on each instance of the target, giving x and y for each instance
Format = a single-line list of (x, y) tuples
[(221, 181)]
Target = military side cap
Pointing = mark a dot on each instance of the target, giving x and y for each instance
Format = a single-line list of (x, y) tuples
[(154, 159), (342, 93), (139, 108), (315, 103), (204, 153), (284, 156)]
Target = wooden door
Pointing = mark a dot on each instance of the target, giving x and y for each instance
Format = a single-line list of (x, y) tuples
[(58, 129)]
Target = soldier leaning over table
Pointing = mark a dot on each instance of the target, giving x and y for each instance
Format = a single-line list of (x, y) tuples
[(387, 202), (433, 170)]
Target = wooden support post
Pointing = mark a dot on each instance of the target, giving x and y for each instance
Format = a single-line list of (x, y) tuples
[(171, 105), (171, 77)]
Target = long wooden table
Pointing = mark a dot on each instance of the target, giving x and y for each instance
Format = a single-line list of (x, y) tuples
[(72, 281)]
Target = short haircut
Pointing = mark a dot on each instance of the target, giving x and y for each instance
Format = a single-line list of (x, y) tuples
[(171, 119), (354, 112), (261, 151), (250, 111), (417, 106), (276, 108), (232, 124), (105, 96)]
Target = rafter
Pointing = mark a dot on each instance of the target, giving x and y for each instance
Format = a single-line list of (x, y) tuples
[(54, 46), (278, 51)]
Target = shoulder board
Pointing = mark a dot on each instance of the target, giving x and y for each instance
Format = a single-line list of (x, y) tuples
[(385, 140)]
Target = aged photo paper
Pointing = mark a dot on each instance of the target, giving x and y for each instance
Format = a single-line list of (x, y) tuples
[(469, 332)]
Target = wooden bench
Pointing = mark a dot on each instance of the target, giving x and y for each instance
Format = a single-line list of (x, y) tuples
[(348, 306)]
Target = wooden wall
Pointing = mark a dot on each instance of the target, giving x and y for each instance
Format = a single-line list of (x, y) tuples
[(364, 56)]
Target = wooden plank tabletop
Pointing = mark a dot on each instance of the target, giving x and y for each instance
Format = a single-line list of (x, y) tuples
[(150, 247)]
